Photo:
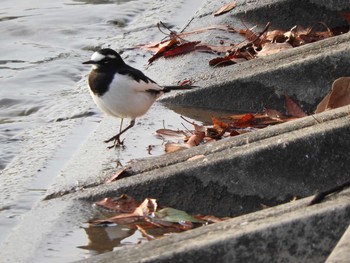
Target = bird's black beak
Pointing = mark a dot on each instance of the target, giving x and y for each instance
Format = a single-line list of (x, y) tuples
[(89, 62)]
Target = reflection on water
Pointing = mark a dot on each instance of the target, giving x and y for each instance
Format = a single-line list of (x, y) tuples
[(102, 239)]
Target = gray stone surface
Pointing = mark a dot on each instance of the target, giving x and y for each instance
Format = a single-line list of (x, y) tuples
[(288, 233), (341, 253)]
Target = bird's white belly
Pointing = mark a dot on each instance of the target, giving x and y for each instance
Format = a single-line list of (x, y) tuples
[(123, 100)]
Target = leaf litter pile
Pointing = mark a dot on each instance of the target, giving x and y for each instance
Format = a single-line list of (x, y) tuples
[(229, 126), (253, 45), (148, 217)]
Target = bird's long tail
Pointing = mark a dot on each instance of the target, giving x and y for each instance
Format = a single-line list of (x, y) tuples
[(184, 87)]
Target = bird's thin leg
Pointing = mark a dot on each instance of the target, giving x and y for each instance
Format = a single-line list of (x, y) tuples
[(121, 125), (116, 138), (120, 130)]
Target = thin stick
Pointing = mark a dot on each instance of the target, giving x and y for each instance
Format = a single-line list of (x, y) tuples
[(321, 195)]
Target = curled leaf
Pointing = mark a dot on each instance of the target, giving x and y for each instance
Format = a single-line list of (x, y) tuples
[(338, 96)]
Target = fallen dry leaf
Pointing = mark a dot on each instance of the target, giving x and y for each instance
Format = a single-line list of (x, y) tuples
[(148, 206), (273, 48), (274, 114), (294, 109), (181, 49), (144, 233), (226, 8), (169, 44), (121, 204), (120, 174), (171, 147), (196, 157), (170, 133), (338, 96)]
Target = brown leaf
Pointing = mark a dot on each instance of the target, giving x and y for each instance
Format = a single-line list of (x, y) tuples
[(170, 147), (163, 48), (293, 108), (276, 36), (245, 121), (196, 157), (195, 139), (148, 206), (185, 82), (217, 124), (222, 61), (118, 175), (226, 8), (170, 133), (181, 49), (338, 96), (274, 114), (121, 204), (272, 48), (144, 233)]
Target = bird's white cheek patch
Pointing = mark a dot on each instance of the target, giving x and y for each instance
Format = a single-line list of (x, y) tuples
[(97, 56)]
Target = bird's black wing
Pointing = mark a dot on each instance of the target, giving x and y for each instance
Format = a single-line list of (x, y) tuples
[(135, 74)]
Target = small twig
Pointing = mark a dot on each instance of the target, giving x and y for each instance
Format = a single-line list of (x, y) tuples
[(313, 116), (189, 22), (172, 33), (187, 128), (161, 23), (321, 195), (262, 32), (182, 117)]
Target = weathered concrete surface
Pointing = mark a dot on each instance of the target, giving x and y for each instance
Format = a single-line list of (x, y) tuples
[(306, 72), (341, 253), (288, 233), (236, 175)]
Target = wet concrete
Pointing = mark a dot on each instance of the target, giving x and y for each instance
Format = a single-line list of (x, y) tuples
[(236, 175)]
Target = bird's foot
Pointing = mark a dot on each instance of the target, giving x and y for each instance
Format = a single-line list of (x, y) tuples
[(117, 142)]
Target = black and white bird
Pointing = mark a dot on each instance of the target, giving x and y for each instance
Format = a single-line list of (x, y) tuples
[(120, 90)]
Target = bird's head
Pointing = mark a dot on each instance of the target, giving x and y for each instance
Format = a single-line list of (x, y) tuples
[(105, 59)]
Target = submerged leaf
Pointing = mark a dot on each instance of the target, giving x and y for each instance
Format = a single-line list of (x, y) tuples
[(121, 204), (176, 216), (148, 206)]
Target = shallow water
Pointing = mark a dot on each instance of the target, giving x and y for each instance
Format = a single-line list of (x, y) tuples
[(43, 45)]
